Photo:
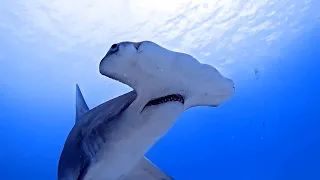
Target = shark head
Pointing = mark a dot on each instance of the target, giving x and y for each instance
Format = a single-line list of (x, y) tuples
[(159, 75)]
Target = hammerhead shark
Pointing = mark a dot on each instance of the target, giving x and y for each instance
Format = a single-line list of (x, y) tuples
[(109, 142)]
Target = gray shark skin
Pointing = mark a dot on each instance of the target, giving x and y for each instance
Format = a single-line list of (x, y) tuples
[(109, 141), (88, 133)]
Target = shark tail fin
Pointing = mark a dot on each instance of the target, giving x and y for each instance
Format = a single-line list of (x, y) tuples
[(146, 170), (81, 105)]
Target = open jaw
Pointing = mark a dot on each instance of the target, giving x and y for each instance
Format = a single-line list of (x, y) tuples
[(164, 99)]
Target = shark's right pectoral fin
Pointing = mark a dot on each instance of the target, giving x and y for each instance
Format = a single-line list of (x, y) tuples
[(145, 170)]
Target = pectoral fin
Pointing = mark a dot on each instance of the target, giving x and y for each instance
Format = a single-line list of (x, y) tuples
[(145, 170)]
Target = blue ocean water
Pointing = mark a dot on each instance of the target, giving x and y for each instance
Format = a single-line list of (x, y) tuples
[(269, 130)]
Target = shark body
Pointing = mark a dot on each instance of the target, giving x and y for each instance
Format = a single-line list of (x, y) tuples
[(109, 141)]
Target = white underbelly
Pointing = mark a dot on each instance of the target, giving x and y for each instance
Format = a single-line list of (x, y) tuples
[(119, 158)]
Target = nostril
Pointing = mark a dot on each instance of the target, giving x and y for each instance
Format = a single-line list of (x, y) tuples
[(137, 45)]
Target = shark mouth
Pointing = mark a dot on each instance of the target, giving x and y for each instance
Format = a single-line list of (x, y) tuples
[(164, 99)]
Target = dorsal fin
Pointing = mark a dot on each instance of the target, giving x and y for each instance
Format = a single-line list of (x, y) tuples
[(81, 105)]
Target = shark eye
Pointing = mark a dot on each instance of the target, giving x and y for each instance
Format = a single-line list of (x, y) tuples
[(114, 48)]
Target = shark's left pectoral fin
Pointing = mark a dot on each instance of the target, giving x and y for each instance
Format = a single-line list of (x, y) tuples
[(145, 170)]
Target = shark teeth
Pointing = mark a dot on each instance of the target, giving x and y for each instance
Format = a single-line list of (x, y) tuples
[(164, 99)]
